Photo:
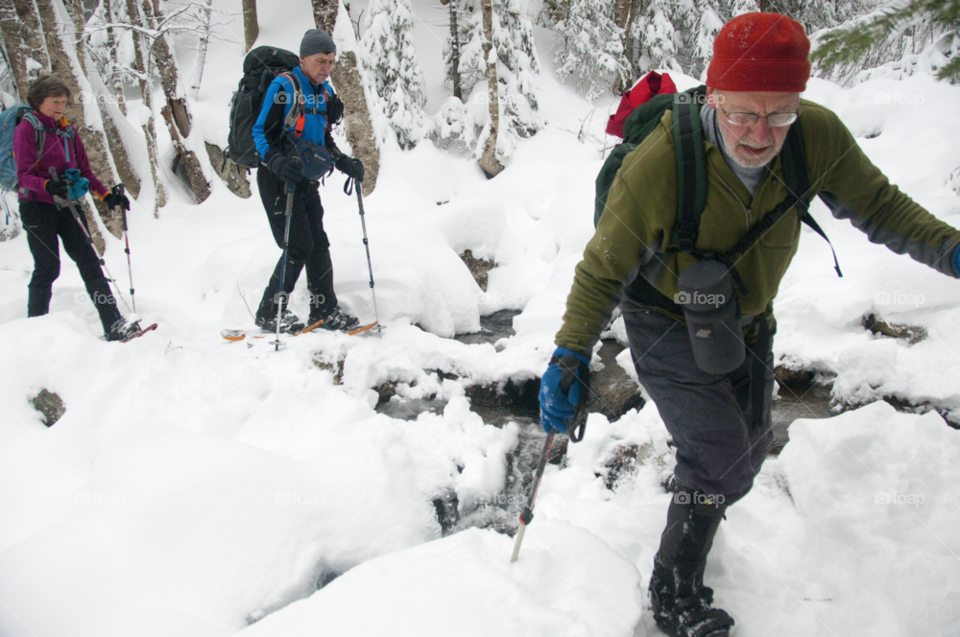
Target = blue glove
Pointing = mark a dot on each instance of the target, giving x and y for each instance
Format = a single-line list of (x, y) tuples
[(561, 389), (79, 186)]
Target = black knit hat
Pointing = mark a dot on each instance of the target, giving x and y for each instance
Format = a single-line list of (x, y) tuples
[(316, 41)]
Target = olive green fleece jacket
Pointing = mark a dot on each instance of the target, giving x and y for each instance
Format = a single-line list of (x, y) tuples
[(634, 232)]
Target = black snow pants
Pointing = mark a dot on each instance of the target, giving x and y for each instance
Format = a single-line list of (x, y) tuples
[(308, 245), (44, 224), (720, 424)]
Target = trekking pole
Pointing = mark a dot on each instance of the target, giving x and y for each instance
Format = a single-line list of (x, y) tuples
[(527, 514), (283, 263), (366, 244), (60, 201), (118, 190)]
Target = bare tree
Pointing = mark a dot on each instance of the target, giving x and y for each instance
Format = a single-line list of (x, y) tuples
[(176, 113), (346, 79), (251, 27), (115, 79), (25, 42), (625, 13), (142, 61), (488, 160), (196, 74), (115, 150), (454, 72)]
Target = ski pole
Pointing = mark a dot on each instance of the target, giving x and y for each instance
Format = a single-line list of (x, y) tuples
[(118, 190), (60, 201), (527, 514), (283, 263), (366, 244)]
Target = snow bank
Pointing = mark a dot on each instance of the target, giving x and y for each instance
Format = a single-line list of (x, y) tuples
[(566, 582)]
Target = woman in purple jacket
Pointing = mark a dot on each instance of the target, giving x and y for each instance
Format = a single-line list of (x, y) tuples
[(44, 220)]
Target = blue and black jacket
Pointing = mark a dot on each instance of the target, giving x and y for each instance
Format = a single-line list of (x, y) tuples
[(268, 129)]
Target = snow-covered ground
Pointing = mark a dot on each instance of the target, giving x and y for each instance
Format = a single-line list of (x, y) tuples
[(195, 486)]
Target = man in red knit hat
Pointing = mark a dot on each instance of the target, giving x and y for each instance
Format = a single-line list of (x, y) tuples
[(697, 298)]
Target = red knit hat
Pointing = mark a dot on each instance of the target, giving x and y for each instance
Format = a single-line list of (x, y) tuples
[(760, 52)]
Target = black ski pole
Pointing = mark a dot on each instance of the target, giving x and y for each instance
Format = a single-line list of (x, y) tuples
[(527, 514), (366, 244), (283, 264), (60, 201), (118, 190)]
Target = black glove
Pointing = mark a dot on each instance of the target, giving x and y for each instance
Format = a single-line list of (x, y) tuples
[(289, 169), (57, 188), (117, 198), (350, 166), (334, 110)]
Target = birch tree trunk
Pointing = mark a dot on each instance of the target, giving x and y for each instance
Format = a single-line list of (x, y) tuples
[(488, 160), (356, 114), (142, 60), (114, 85), (98, 99), (197, 74), (251, 27), (175, 113), (11, 29), (26, 46), (116, 81)]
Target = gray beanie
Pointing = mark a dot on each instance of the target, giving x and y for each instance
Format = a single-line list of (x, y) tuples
[(316, 41)]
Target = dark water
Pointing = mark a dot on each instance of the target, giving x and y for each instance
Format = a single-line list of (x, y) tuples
[(794, 404), (518, 406), (493, 327)]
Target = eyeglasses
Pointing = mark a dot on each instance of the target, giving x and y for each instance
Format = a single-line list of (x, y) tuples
[(774, 120)]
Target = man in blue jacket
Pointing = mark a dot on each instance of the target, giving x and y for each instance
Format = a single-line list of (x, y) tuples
[(282, 165)]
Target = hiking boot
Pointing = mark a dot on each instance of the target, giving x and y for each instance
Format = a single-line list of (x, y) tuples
[(689, 615), (120, 330), (289, 323), (682, 605), (337, 320)]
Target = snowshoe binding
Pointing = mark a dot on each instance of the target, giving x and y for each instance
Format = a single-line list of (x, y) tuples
[(289, 323)]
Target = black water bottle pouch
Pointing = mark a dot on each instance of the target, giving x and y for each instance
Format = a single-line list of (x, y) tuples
[(712, 313)]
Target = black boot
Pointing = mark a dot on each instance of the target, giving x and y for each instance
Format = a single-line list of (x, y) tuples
[(38, 300), (682, 605), (106, 304), (122, 331), (338, 320), (266, 318)]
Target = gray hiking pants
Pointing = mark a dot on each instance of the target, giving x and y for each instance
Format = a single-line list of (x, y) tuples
[(720, 424)]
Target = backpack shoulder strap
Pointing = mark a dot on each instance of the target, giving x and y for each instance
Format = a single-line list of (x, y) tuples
[(40, 131), (293, 120), (794, 162), (326, 101), (40, 134), (690, 150)]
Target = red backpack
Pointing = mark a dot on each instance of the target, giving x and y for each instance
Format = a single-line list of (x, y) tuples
[(646, 87)]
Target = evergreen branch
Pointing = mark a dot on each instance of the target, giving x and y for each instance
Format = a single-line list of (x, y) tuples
[(848, 44)]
